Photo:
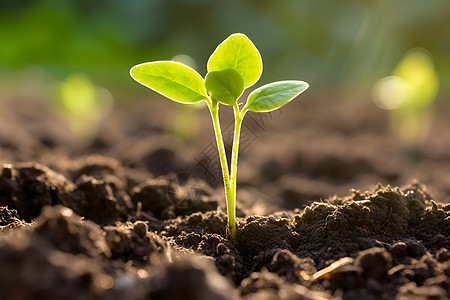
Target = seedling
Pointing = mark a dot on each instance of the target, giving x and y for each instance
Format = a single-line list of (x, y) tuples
[(409, 94), (83, 104), (234, 66)]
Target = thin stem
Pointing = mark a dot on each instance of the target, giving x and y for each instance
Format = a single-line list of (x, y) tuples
[(230, 197), (238, 116)]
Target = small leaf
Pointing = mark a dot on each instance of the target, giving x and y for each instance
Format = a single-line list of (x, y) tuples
[(238, 52), (274, 95), (171, 79), (225, 86)]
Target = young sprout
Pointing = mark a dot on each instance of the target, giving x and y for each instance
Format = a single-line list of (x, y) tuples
[(409, 94), (234, 66), (83, 104)]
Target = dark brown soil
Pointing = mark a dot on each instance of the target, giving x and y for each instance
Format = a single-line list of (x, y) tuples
[(329, 206)]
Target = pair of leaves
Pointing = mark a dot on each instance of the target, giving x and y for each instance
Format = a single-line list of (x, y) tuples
[(234, 66)]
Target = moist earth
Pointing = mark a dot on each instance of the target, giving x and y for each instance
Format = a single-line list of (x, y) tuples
[(109, 221)]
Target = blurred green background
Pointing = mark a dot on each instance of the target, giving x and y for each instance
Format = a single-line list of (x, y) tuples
[(337, 46)]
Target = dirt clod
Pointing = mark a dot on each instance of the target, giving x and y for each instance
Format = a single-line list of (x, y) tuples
[(131, 216), (67, 232), (195, 278), (375, 262), (398, 249)]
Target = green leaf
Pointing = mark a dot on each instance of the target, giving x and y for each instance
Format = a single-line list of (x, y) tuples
[(238, 52), (274, 95), (225, 86), (171, 79)]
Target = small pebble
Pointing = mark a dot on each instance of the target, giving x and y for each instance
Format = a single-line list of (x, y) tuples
[(7, 171), (140, 228), (413, 249), (398, 249), (221, 249), (443, 255), (375, 262)]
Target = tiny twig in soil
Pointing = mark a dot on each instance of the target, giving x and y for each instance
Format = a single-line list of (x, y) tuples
[(388, 217)]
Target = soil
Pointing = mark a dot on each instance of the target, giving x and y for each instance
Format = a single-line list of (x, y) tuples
[(330, 206)]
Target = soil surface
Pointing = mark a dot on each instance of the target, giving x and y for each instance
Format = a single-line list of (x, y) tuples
[(330, 206)]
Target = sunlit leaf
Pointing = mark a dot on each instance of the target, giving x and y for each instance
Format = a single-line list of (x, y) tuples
[(274, 95), (173, 80), (238, 52), (225, 86)]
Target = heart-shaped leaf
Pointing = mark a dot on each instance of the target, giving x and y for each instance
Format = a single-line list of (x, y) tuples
[(171, 79), (238, 52), (225, 86), (274, 95)]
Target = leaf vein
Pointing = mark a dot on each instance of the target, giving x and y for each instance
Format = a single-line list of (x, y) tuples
[(179, 83)]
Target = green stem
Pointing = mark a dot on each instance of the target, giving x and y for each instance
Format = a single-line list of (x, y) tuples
[(238, 117), (230, 196)]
